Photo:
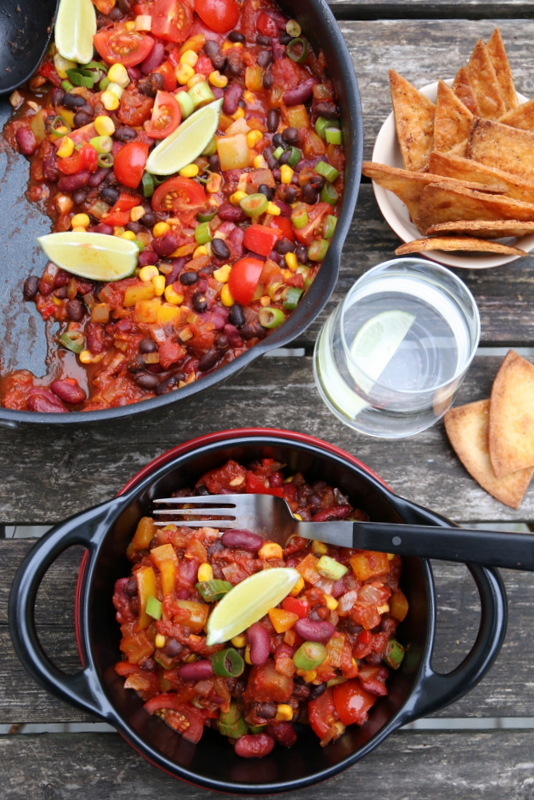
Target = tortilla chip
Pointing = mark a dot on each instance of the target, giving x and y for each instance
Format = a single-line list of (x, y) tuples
[(443, 203), (520, 117), (501, 146), (499, 59), (511, 431), (460, 149), (414, 120), (482, 77), (454, 243), (465, 169), (498, 229), (452, 121), (467, 428), (464, 91)]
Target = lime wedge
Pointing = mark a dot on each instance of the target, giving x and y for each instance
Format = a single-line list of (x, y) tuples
[(187, 142), (95, 256), (248, 602), (376, 343), (74, 30)]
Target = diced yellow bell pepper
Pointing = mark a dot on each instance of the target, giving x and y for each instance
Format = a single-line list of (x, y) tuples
[(139, 291), (146, 586), (146, 530)]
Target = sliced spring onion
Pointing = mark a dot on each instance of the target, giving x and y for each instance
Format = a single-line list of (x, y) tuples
[(254, 204), (67, 85), (73, 340), (97, 65), (206, 217), (203, 233), (105, 160), (228, 663), (154, 607), (186, 104), (329, 226), (318, 249), (213, 590), (327, 171), (102, 144), (297, 50), (291, 298), (299, 217), (104, 83), (333, 135), (201, 94), (295, 156), (271, 317), (278, 152), (59, 127), (293, 28), (321, 124), (310, 655), (330, 568), (234, 731), (329, 194), (80, 76), (147, 183), (394, 654)]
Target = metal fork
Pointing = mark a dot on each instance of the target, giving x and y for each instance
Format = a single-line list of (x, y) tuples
[(271, 518)]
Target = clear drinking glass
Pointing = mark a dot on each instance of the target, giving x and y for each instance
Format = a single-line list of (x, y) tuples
[(390, 358)]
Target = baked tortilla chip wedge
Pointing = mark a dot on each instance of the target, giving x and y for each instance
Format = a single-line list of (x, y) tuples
[(501, 146), (414, 121), (464, 169), (520, 117), (482, 77), (500, 62), (511, 430), (498, 229), (443, 203), (452, 121), (464, 91), (468, 430), (460, 149), (458, 243)]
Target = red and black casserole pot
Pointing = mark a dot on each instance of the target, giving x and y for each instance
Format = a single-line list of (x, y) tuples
[(414, 690)]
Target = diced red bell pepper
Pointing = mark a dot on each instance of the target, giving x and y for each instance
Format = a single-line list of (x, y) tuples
[(285, 226), (85, 159), (48, 71), (256, 485), (260, 239), (298, 605)]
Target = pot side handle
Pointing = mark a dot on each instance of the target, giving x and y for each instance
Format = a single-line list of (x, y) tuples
[(86, 529), (437, 690)]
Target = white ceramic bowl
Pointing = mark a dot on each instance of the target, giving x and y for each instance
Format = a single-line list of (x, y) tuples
[(387, 151)]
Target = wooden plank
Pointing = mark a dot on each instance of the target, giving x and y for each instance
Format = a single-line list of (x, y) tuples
[(436, 766), (507, 690), (437, 9)]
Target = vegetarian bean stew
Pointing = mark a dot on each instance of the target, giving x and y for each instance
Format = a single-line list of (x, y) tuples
[(321, 657), (227, 245)]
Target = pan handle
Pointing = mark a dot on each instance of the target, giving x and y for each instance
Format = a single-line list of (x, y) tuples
[(88, 529)]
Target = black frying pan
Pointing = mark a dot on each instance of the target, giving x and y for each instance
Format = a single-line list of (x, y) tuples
[(25, 30)]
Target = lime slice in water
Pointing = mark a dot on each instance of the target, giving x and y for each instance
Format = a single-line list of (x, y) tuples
[(376, 343), (74, 30), (187, 142), (95, 256), (248, 602)]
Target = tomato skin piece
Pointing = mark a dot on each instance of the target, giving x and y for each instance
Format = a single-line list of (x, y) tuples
[(171, 20), (178, 194), (118, 45), (244, 278), (130, 163), (266, 25), (316, 214), (352, 703), (260, 239), (219, 15), (169, 76), (166, 116), (322, 713)]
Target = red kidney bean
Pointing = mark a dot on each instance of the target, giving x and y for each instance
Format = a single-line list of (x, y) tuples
[(246, 540), (173, 648), (134, 73), (31, 287), (314, 631), (327, 110), (147, 257), (285, 210), (45, 402), (279, 50), (231, 213), (98, 176), (166, 245), (69, 183), (82, 118), (50, 170), (26, 141), (95, 338), (266, 710), (283, 732), (258, 639), (68, 392), (254, 745), (61, 278), (334, 512), (188, 571), (231, 98), (197, 671), (103, 228), (300, 94), (154, 58)]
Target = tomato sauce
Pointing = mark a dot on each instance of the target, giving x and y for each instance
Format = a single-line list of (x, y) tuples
[(228, 247)]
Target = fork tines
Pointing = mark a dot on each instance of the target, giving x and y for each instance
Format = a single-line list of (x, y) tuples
[(193, 508)]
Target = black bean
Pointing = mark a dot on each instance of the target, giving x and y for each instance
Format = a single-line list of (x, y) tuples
[(284, 158), (148, 665), (208, 360), (147, 346), (31, 287), (236, 316), (75, 310), (272, 163), (317, 181), (188, 278), (124, 133), (115, 14), (266, 190), (151, 85), (302, 253), (168, 383), (264, 58), (220, 249), (309, 194), (146, 380), (56, 96), (265, 41), (136, 364), (73, 101), (284, 246), (134, 227), (317, 691), (110, 195), (284, 38), (291, 135), (149, 219), (291, 194), (125, 5), (327, 110), (267, 80), (253, 330), (221, 342), (130, 588), (214, 162), (273, 119), (82, 118), (277, 140), (199, 302), (78, 197), (236, 36), (266, 710), (173, 648)]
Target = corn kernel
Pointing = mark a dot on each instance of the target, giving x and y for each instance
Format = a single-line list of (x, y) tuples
[(201, 250), (286, 173), (79, 229), (239, 641), (136, 213), (383, 609), (104, 126), (115, 89), (223, 273), (172, 296), (273, 209), (270, 550), (284, 712), (117, 74), (265, 301), (149, 272), (216, 79), (118, 231), (226, 296), (249, 97), (66, 148), (159, 641), (109, 100), (239, 114), (298, 587), (205, 572), (190, 658), (297, 516), (158, 282), (228, 45), (213, 186), (85, 357), (160, 229), (291, 261), (184, 73), (331, 602), (236, 197), (319, 548), (191, 171), (258, 162), (247, 655), (308, 675), (130, 26), (198, 78), (128, 235), (189, 57), (81, 220), (391, 556), (253, 137)]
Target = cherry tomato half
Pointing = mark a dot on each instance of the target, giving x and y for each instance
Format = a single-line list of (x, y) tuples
[(130, 163), (118, 45), (219, 15), (352, 702), (166, 116), (171, 20), (243, 280), (322, 714), (178, 194), (266, 25)]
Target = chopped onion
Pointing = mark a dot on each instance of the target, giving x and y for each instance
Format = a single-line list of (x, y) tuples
[(143, 22)]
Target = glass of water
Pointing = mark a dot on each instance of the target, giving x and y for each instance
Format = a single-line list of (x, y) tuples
[(390, 358)]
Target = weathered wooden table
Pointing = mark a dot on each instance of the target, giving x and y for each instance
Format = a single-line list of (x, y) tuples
[(47, 473)]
